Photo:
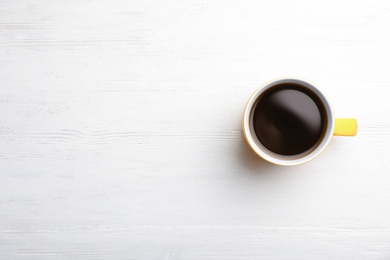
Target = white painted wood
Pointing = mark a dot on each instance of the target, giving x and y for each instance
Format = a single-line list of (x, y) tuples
[(121, 139)]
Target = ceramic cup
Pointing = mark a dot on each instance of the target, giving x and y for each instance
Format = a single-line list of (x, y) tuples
[(334, 126)]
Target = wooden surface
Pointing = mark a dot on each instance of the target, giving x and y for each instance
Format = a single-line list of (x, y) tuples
[(121, 137)]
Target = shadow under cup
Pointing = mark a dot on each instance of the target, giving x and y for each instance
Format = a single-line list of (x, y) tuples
[(288, 121)]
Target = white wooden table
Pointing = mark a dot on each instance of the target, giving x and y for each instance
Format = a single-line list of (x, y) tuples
[(120, 130)]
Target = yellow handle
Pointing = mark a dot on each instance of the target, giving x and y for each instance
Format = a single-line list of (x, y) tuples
[(345, 127)]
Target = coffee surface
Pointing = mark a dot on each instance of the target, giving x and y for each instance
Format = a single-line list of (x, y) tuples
[(288, 119)]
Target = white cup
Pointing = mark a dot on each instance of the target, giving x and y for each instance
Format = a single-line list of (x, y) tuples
[(345, 126)]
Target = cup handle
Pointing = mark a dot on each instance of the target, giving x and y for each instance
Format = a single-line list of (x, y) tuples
[(345, 127)]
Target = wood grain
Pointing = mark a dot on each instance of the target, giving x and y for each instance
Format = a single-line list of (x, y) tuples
[(121, 138)]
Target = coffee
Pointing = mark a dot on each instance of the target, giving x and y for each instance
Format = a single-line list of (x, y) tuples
[(289, 119)]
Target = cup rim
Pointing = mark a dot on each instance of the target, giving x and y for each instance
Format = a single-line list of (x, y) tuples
[(268, 155)]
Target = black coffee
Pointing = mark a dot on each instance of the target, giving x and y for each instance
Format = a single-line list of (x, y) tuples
[(289, 119)]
